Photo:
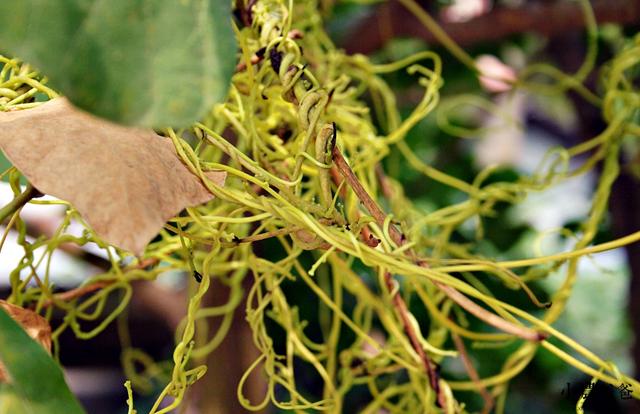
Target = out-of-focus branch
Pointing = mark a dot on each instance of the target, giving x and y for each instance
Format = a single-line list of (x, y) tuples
[(549, 18), (489, 402)]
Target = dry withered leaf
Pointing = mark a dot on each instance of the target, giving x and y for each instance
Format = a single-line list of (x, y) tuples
[(125, 182), (35, 325)]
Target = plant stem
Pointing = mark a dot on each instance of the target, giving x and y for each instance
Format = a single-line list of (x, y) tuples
[(400, 239), (401, 307), (78, 292), (398, 302), (473, 374), (18, 202), (83, 290), (464, 302)]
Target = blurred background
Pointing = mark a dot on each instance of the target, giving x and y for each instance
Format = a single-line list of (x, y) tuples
[(604, 311)]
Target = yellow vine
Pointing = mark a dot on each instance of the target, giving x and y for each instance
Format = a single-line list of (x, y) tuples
[(281, 187)]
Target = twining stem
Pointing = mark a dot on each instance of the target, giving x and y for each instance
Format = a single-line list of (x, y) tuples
[(397, 300), (462, 300), (19, 201), (371, 206), (400, 239), (267, 235), (489, 402), (78, 292), (401, 307), (439, 34), (92, 287)]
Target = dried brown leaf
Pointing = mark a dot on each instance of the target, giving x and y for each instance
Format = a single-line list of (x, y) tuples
[(34, 325), (125, 182)]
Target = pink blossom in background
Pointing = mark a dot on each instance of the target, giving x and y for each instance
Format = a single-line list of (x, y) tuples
[(495, 76), (461, 11)]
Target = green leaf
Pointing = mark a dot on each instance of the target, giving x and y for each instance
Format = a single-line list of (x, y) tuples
[(152, 63), (37, 385)]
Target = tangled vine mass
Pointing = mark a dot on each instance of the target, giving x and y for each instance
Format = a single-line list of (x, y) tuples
[(303, 137)]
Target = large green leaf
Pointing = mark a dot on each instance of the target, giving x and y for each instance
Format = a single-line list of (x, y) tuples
[(152, 63), (37, 384)]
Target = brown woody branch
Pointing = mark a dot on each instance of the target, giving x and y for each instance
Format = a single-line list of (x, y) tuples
[(545, 18), (83, 290), (398, 302), (473, 374)]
